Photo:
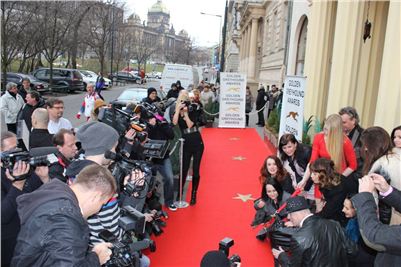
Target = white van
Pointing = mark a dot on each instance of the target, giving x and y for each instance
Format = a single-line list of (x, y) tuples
[(186, 74)]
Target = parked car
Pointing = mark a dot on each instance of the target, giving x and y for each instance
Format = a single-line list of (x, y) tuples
[(35, 83), (134, 95), (154, 74), (64, 80), (93, 77), (123, 76)]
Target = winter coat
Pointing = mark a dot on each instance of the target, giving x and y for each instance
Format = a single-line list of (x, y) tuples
[(319, 242), (10, 106), (40, 138), (261, 98), (53, 230), (384, 238), (10, 223), (26, 113)]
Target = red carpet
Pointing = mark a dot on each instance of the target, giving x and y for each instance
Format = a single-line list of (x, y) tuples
[(193, 231)]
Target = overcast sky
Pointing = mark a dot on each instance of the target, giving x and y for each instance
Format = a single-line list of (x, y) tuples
[(185, 14)]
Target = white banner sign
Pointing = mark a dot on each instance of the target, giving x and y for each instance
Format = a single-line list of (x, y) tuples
[(232, 100), (292, 110)]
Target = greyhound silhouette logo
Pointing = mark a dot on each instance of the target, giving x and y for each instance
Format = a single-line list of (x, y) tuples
[(233, 109), (293, 115)]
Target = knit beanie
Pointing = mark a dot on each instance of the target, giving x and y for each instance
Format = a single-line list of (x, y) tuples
[(151, 90), (97, 138)]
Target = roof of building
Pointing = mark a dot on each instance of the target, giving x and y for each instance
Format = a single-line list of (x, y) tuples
[(159, 7)]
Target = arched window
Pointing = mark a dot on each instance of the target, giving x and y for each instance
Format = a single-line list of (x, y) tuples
[(301, 48)]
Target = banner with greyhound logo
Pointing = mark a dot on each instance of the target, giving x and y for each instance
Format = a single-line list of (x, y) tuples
[(292, 110), (232, 100)]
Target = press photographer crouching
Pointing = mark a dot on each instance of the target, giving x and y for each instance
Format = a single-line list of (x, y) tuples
[(99, 140), (17, 178), (221, 257), (54, 231)]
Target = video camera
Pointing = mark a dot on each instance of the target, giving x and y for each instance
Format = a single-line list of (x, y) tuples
[(191, 106), (125, 252), (122, 167), (224, 246), (41, 156), (123, 121)]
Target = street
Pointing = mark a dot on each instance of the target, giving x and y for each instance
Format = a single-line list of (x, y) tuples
[(72, 102)]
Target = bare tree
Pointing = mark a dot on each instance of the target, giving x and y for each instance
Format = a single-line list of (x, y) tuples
[(14, 20), (98, 31), (56, 18)]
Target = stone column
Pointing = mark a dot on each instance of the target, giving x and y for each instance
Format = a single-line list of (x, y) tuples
[(252, 48), (389, 96), (318, 57), (241, 52), (346, 53)]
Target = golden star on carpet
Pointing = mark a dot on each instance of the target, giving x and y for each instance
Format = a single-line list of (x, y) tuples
[(239, 158), (244, 198), (234, 139)]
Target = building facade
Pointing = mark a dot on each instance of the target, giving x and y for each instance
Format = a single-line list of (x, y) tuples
[(158, 34), (348, 50)]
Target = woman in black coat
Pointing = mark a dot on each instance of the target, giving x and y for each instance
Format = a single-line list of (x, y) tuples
[(332, 187)]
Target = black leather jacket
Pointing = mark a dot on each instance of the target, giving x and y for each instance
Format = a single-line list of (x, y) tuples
[(319, 242), (53, 231)]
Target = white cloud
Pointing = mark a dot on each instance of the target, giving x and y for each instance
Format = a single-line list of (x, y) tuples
[(185, 14)]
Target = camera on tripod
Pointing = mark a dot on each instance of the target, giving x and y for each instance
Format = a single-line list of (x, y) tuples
[(42, 156)]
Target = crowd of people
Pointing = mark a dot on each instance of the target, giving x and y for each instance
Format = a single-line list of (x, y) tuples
[(55, 214), (346, 188)]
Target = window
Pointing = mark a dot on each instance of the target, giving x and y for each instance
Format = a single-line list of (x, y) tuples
[(301, 48)]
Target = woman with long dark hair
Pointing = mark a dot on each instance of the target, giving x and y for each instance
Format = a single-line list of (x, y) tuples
[(324, 174), (273, 168), (380, 157), (295, 157), (187, 118), (273, 196)]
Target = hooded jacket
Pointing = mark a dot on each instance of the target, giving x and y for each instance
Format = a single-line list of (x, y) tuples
[(53, 230)]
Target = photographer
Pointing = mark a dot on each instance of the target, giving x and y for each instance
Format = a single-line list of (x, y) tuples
[(54, 230), (65, 142), (381, 237), (13, 184), (96, 138), (163, 131), (187, 116)]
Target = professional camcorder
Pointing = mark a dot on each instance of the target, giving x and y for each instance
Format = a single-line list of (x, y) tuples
[(125, 252), (42, 156), (224, 246), (123, 121)]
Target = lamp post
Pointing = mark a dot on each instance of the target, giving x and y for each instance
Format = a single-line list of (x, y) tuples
[(111, 3), (220, 17)]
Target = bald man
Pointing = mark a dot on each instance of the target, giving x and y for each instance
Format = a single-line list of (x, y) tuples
[(40, 136)]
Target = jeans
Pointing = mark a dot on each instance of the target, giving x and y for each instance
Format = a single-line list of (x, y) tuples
[(166, 171)]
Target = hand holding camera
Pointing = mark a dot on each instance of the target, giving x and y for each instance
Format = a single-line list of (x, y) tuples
[(103, 251), (20, 170), (366, 184)]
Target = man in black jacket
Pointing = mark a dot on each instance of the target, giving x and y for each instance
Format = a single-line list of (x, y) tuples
[(381, 237), (318, 242), (33, 101), (54, 231), (10, 190), (65, 142), (40, 136), (261, 100)]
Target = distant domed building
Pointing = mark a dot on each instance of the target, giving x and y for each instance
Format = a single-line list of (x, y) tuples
[(158, 33)]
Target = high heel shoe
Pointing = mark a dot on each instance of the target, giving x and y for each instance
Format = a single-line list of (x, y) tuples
[(193, 198)]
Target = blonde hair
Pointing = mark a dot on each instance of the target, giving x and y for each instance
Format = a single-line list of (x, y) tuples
[(335, 140), (183, 96)]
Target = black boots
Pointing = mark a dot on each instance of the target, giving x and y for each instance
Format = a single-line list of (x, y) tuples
[(193, 198)]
